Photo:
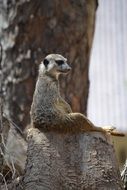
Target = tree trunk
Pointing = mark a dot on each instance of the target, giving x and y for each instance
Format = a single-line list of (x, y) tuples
[(70, 162), (32, 29)]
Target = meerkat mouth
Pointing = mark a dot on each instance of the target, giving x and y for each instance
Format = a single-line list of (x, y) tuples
[(64, 71)]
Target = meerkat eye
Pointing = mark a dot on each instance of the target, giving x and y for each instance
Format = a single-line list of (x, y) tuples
[(46, 62), (60, 62)]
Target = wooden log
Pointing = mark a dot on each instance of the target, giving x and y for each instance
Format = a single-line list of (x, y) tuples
[(70, 162)]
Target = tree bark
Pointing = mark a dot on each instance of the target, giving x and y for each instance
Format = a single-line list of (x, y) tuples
[(70, 162), (32, 29)]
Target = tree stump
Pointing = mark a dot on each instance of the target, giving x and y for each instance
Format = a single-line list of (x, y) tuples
[(70, 162)]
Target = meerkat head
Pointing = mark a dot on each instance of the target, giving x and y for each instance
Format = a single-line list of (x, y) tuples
[(54, 65)]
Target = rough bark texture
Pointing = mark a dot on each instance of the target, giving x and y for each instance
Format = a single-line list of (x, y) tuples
[(124, 175), (29, 30), (70, 162)]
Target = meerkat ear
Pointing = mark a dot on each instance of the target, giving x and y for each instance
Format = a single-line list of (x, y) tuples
[(46, 62)]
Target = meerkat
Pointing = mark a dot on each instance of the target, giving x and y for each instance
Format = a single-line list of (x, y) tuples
[(49, 111)]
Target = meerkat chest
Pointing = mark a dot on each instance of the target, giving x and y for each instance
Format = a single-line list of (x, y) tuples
[(62, 106)]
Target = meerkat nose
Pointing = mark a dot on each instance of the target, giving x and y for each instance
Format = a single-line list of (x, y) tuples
[(69, 68)]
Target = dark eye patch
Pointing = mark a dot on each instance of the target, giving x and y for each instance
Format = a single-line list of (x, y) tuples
[(46, 62), (60, 62)]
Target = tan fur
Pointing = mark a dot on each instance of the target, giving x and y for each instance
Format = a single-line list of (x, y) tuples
[(49, 111)]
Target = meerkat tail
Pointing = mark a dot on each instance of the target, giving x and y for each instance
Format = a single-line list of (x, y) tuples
[(117, 133)]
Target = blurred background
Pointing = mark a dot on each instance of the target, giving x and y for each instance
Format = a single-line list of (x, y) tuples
[(108, 66), (107, 102)]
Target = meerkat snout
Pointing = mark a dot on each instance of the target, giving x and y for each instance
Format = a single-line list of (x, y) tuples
[(54, 64), (63, 67)]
